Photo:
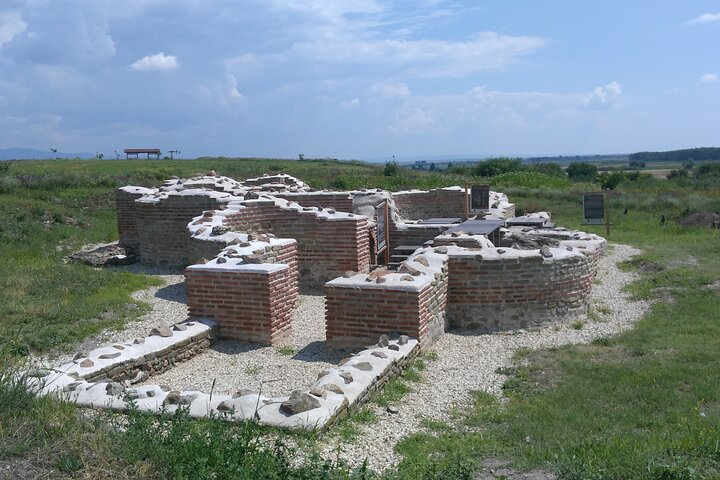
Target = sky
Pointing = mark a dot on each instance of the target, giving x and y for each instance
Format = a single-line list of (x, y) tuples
[(360, 79)]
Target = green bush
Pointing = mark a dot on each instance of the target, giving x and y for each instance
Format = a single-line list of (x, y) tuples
[(5, 166), (582, 172), (391, 169), (498, 166), (610, 181)]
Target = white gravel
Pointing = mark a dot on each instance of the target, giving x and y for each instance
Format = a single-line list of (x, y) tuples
[(466, 361), (273, 371)]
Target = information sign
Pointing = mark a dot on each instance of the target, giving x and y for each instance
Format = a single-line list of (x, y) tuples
[(479, 198), (594, 208)]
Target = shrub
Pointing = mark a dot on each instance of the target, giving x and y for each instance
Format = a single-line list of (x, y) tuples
[(675, 174), (391, 169), (5, 166), (497, 166), (707, 170), (582, 172), (611, 180)]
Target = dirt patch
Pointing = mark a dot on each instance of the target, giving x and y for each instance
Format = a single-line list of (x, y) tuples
[(703, 220)]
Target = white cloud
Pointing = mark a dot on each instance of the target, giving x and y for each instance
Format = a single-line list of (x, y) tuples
[(709, 78), (234, 92), (704, 18), (350, 103), (11, 24), (391, 90), (602, 97), (416, 121), (156, 63), (484, 51)]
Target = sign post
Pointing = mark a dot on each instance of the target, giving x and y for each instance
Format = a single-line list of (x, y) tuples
[(383, 234), (467, 203)]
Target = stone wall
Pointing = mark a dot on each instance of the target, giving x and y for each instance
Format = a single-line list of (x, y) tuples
[(156, 361), (496, 289), (336, 391), (251, 302), (359, 307)]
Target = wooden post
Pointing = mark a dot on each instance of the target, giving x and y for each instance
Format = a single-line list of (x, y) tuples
[(467, 205), (387, 233), (606, 201)]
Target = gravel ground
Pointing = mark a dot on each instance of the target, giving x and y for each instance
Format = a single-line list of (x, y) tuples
[(273, 371), (466, 361)]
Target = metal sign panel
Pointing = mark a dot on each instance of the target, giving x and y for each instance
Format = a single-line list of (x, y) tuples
[(479, 198), (594, 208), (381, 221)]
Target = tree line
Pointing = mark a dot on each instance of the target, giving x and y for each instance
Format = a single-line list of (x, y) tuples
[(678, 156)]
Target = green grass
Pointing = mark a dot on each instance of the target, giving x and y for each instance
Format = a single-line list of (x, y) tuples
[(47, 302), (348, 428), (286, 350)]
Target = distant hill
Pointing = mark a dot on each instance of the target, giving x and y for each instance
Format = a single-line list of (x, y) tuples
[(32, 154)]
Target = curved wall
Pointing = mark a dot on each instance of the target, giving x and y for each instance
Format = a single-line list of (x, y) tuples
[(497, 289)]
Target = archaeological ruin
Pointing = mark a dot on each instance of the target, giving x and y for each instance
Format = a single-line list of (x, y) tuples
[(249, 248)]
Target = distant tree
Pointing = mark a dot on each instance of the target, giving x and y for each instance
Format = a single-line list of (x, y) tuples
[(432, 167), (637, 164), (688, 164), (497, 166), (581, 172), (449, 166), (391, 169)]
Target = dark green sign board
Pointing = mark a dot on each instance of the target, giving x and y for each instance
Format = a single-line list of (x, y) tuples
[(479, 198), (594, 208)]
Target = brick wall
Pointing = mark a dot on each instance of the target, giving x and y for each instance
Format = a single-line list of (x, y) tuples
[(164, 238), (491, 293), (340, 201), (327, 247), (128, 231), (432, 203), (249, 302), (358, 311)]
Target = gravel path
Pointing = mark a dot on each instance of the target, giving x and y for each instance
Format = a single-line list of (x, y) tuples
[(468, 362)]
